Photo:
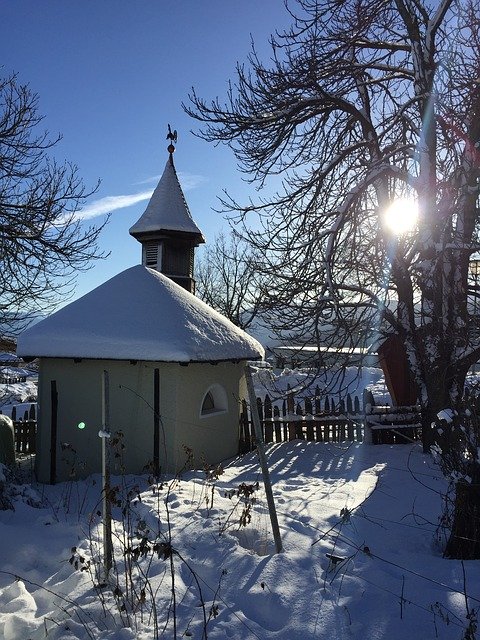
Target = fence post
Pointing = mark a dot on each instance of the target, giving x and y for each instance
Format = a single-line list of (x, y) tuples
[(263, 460), (299, 423), (349, 404), (260, 417), (278, 424), (245, 440), (356, 405), (285, 423), (309, 423), (291, 412), (32, 436), (367, 408), (318, 411), (268, 419)]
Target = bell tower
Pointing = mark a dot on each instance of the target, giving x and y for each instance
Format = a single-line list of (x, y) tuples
[(166, 229)]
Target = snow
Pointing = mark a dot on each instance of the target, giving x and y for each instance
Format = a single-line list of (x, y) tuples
[(14, 372), (446, 414), (167, 209), (360, 559), (139, 314), (332, 382), (18, 394)]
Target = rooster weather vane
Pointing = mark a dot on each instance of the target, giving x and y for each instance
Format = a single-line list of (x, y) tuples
[(172, 136)]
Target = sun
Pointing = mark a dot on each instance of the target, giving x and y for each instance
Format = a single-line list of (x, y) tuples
[(401, 216)]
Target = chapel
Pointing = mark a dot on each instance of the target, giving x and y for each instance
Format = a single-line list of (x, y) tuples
[(176, 367)]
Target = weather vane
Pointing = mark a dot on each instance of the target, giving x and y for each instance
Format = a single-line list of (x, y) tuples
[(172, 136)]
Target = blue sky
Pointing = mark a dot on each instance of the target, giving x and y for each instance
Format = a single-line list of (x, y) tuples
[(111, 74)]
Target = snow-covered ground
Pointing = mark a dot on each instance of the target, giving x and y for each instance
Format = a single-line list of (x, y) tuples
[(20, 394), (376, 508)]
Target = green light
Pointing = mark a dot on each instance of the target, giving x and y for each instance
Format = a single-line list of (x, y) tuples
[(81, 425)]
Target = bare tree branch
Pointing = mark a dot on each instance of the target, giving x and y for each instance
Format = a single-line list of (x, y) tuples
[(43, 245)]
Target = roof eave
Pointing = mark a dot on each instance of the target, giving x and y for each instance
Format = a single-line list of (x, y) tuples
[(134, 359), (143, 236)]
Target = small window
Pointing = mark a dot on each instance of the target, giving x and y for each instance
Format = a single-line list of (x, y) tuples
[(214, 401), (151, 254), (208, 404)]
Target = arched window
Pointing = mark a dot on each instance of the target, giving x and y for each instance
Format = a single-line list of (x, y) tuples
[(208, 404), (214, 401)]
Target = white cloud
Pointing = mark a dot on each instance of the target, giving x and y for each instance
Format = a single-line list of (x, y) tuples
[(152, 179), (111, 203)]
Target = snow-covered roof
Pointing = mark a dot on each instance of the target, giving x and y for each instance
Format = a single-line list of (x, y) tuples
[(139, 314), (167, 209), (6, 356)]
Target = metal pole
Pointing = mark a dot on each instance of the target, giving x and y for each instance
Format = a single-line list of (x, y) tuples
[(263, 460), (53, 431), (156, 423), (104, 434)]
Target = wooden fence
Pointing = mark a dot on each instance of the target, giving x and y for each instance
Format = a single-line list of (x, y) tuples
[(25, 429), (25, 434), (322, 419), (319, 419), (393, 425)]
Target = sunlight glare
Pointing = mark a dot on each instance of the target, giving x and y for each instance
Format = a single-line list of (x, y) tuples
[(401, 216)]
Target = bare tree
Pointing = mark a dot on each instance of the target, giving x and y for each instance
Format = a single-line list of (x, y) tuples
[(42, 243), (226, 280), (362, 102)]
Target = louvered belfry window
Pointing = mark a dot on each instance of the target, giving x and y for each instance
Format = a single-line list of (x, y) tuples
[(151, 254)]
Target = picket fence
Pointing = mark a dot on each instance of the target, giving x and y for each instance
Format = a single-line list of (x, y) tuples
[(319, 419), (324, 419), (25, 435), (25, 429)]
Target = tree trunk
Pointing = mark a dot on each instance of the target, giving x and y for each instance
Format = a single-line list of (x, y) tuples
[(464, 541), (436, 401), (427, 417)]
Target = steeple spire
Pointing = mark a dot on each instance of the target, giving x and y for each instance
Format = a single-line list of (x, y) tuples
[(166, 229)]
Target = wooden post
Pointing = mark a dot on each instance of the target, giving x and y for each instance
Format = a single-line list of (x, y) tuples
[(349, 404), (309, 424), (291, 411), (106, 504), (268, 417), (284, 420), (318, 411), (245, 444), (278, 424), (299, 435), (53, 431), (156, 422), (263, 460), (261, 417)]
